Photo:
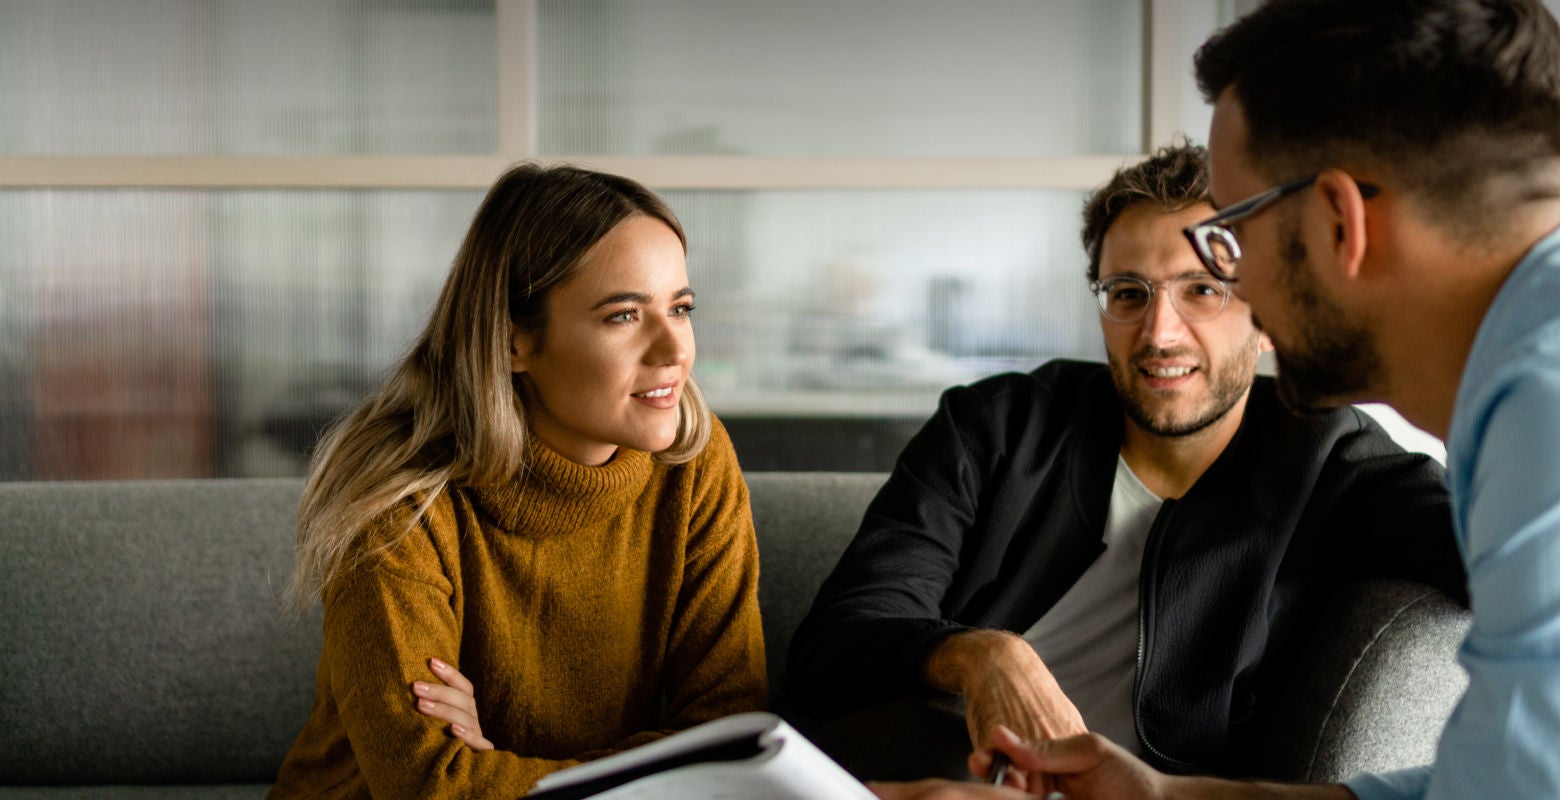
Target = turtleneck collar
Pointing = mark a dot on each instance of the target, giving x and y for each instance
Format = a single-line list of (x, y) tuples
[(553, 495)]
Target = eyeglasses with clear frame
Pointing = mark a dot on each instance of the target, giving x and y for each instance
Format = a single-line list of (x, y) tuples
[(1214, 240), (1197, 298)]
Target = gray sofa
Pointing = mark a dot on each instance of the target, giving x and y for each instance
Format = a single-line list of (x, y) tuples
[(143, 653)]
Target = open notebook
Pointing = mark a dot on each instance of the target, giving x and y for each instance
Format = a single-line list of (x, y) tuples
[(753, 756)]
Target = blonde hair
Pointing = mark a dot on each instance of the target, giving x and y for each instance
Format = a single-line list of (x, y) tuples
[(451, 411)]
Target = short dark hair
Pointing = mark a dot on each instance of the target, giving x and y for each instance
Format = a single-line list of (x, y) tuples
[(1173, 178), (1440, 95)]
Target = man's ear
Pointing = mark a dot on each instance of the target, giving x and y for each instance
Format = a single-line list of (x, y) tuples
[(1264, 344), (1343, 209), (520, 349)]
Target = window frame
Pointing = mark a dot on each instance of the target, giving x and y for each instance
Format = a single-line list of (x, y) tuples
[(1165, 80)]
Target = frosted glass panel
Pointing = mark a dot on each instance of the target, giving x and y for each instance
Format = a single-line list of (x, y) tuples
[(871, 302), (185, 334), (279, 77), (831, 78), (188, 334)]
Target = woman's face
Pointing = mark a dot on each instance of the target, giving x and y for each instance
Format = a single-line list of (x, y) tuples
[(617, 350)]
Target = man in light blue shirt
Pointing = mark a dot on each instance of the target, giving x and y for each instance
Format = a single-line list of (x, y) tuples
[(1389, 178)]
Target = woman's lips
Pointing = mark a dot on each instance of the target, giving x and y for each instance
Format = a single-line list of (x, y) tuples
[(664, 396)]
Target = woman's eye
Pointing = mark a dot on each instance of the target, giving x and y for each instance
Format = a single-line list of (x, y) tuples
[(683, 309), (624, 316)]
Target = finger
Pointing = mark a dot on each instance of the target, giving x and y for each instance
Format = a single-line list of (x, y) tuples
[(930, 789), (936, 789), (980, 763), (451, 676), (473, 739), (448, 713), (447, 695), (892, 791), (1056, 756)]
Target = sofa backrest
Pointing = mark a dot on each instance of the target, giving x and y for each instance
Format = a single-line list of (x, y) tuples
[(1368, 684), (142, 638), (804, 521)]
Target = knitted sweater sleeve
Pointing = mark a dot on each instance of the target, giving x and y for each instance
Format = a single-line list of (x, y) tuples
[(381, 626), (715, 650)]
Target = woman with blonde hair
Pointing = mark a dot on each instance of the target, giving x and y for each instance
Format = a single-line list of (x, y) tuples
[(535, 522)]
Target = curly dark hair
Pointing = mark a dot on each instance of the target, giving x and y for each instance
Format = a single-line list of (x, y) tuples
[(1173, 178)]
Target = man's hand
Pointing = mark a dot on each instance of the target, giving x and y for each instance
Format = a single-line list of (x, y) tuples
[(937, 789), (1086, 767), (1003, 683), (1091, 767)]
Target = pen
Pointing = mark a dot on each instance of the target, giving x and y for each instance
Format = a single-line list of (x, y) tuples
[(999, 765), (998, 773)]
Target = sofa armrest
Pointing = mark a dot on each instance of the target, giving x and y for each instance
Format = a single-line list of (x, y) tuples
[(1368, 689)]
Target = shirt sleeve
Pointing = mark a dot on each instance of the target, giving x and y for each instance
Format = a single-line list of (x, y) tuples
[(1404, 784), (715, 650), (1501, 739), (879, 613), (382, 624)]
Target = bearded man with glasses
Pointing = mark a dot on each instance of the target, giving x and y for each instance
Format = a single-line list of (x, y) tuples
[(1416, 261), (1111, 547)]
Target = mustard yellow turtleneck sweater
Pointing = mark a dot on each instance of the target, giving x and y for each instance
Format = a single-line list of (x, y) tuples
[(593, 608)]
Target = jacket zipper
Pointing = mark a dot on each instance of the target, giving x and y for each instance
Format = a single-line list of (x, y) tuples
[(1151, 548)]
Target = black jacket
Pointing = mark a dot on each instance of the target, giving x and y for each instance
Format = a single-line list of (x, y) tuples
[(998, 505)]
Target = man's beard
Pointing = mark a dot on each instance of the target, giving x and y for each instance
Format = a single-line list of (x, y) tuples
[(1227, 384), (1331, 359)]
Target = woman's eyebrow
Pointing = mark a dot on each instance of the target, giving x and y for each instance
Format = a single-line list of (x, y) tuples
[(638, 297)]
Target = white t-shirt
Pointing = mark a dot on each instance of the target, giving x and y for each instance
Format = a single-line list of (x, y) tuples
[(1089, 638)]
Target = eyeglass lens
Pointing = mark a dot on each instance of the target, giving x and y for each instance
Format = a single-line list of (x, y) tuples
[(1196, 299), (1220, 250)]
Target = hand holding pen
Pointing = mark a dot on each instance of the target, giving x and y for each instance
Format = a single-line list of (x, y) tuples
[(998, 773)]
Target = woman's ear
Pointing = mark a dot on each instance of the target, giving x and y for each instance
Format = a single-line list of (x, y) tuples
[(520, 349)]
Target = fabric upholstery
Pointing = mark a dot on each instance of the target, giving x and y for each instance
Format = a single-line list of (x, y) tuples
[(143, 637), (144, 653), (1370, 685), (803, 520)]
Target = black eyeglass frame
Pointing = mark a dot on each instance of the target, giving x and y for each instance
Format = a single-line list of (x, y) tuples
[(1219, 224)]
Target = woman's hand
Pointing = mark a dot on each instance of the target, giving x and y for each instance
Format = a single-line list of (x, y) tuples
[(454, 702)]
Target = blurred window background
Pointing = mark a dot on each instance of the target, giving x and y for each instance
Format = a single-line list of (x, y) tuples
[(221, 221)]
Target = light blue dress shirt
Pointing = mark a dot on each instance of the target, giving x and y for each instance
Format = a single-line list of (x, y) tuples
[(1503, 469)]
